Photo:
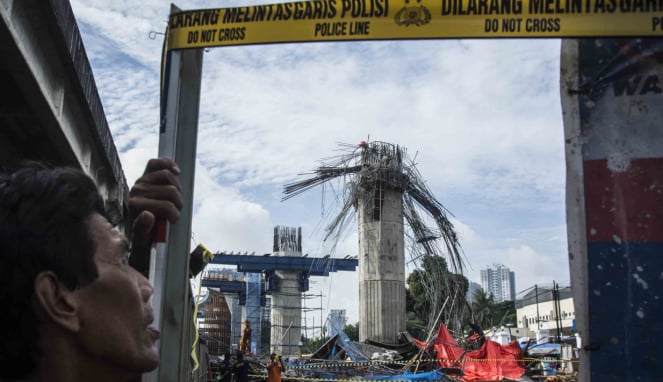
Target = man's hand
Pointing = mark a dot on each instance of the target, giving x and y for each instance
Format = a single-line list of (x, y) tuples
[(158, 190), (156, 195)]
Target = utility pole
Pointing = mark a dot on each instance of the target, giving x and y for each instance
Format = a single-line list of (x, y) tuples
[(558, 310), (536, 295)]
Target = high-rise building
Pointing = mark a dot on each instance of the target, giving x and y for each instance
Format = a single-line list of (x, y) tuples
[(499, 282)]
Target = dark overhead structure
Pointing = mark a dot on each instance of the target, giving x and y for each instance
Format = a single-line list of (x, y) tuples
[(50, 109)]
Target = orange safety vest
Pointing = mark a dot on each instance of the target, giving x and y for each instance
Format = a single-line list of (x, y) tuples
[(274, 372)]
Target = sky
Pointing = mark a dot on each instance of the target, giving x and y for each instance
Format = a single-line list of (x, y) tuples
[(482, 118)]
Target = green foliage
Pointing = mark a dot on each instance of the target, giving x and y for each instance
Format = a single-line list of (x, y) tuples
[(311, 345), (352, 331), (489, 313), (482, 308), (415, 326), (428, 289), (505, 313)]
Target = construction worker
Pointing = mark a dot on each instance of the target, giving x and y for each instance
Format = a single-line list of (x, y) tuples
[(74, 306), (274, 368), (241, 369), (245, 340)]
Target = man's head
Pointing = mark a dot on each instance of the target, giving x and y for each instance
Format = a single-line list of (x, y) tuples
[(64, 277)]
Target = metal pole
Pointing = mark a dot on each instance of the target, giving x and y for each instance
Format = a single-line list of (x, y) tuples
[(169, 273), (558, 316), (536, 295)]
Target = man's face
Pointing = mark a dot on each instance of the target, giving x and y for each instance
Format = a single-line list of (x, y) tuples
[(115, 310)]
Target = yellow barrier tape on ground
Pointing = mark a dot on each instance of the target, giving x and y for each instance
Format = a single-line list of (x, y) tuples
[(343, 20), (405, 362), (264, 376)]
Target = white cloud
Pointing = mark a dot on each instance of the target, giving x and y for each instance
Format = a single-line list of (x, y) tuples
[(532, 267), (225, 221)]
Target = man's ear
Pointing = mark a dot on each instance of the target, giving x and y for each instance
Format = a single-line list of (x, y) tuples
[(56, 301)]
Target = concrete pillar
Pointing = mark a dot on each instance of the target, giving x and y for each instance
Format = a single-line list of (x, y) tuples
[(236, 320), (381, 265), (286, 315)]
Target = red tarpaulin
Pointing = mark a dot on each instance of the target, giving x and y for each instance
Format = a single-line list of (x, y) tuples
[(446, 347), (492, 362)]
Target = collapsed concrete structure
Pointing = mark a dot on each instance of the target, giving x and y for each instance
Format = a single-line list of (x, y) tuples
[(384, 188)]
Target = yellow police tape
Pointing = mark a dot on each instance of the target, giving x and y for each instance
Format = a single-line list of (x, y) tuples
[(207, 254), (347, 20)]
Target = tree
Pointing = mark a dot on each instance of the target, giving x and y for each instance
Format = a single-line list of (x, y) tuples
[(352, 331), (482, 308), (432, 289), (416, 326), (311, 345), (504, 313), (489, 313)]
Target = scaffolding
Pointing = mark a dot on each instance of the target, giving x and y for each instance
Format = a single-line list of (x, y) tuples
[(215, 325), (252, 307), (245, 301), (309, 311)]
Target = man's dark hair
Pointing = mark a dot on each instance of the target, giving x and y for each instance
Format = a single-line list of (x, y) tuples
[(43, 226)]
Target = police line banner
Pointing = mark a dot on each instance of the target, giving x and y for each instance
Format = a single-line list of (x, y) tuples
[(345, 20)]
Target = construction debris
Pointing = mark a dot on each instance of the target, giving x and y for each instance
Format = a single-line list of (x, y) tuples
[(440, 359)]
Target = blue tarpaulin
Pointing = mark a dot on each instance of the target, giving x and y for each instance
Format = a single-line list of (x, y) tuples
[(351, 350), (434, 375)]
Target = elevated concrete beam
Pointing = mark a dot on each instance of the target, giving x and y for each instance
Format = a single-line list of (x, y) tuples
[(312, 265), (50, 109)]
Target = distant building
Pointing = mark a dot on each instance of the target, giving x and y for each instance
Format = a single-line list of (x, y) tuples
[(542, 307), (499, 282), (471, 289)]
